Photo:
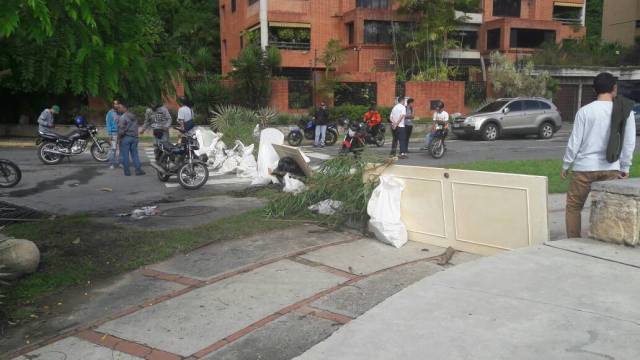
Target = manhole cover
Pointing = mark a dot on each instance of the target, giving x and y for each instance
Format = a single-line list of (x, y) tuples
[(184, 211)]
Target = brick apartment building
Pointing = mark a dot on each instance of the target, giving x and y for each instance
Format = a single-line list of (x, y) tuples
[(621, 21), (302, 28)]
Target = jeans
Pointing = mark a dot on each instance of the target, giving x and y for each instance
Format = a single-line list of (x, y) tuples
[(114, 159), (399, 135), (577, 194), (429, 139), (157, 141), (321, 133), (129, 145)]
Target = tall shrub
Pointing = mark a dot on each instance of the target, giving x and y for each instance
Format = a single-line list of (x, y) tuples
[(509, 81), (253, 70)]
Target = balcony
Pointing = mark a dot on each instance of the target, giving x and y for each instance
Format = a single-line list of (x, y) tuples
[(285, 45), (567, 21), (568, 13)]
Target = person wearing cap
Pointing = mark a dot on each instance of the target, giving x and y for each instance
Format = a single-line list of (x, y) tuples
[(45, 120), (440, 116)]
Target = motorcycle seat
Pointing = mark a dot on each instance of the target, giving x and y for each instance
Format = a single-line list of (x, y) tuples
[(52, 135)]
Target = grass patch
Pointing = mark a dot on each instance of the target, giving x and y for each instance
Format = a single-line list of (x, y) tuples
[(549, 168), (76, 250)]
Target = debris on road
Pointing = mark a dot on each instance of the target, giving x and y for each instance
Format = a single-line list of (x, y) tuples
[(326, 207)]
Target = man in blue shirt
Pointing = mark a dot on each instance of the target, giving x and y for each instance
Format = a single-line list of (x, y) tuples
[(112, 129)]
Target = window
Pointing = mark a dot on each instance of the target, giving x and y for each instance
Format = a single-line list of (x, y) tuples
[(516, 106), (492, 107), (292, 38), (510, 8), (570, 15), (493, 39), (373, 4), (233, 5), (377, 32), (531, 38), (544, 105), (466, 39), (531, 105), (364, 93), (351, 33)]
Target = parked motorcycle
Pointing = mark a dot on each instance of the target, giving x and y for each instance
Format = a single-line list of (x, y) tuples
[(10, 174), (306, 129), (53, 147), (438, 146), (181, 160), (355, 138), (375, 135)]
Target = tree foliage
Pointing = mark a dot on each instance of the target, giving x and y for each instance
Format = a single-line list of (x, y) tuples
[(593, 20), (253, 70), (510, 81), (136, 49), (588, 52), (420, 49)]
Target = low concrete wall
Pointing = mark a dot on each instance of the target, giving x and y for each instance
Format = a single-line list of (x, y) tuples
[(615, 211)]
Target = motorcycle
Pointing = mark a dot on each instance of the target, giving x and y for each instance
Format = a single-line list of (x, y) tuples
[(438, 147), (181, 160), (375, 135), (295, 136), (355, 138), (10, 174), (53, 147)]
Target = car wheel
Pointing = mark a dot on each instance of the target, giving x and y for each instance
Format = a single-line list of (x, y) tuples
[(490, 132), (545, 131)]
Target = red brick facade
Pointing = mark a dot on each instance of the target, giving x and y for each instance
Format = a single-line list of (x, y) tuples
[(449, 92)]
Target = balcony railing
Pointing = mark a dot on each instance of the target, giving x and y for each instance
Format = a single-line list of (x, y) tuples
[(568, 21), (290, 45)]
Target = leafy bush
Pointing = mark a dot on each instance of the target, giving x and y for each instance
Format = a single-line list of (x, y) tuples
[(235, 123), (207, 91), (587, 53), (286, 119), (353, 112), (509, 81), (341, 179)]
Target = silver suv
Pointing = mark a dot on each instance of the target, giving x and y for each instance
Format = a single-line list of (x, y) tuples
[(521, 116)]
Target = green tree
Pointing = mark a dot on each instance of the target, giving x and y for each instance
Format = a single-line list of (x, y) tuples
[(87, 47), (253, 70), (509, 81), (593, 20)]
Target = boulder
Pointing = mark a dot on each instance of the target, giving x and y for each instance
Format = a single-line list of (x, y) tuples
[(18, 257)]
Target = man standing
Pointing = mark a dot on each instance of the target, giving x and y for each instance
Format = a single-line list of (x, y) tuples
[(322, 119), (157, 118), (398, 130), (45, 120), (587, 151), (408, 120), (112, 129), (128, 133), (185, 114)]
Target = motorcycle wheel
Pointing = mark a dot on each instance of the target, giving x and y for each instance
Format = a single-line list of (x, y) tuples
[(10, 174), (100, 151), (47, 157), (380, 140), (437, 149), (331, 137), (193, 176), (294, 138)]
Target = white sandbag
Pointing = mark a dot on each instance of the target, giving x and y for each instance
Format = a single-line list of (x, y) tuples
[(207, 140), (247, 166), (384, 210), (267, 156), (292, 185), (326, 207)]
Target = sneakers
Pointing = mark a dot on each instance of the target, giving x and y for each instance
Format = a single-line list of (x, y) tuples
[(403, 156)]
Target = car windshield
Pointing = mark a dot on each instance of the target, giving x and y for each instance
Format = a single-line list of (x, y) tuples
[(492, 107)]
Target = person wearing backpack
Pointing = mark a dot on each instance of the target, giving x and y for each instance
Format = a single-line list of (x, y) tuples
[(600, 147)]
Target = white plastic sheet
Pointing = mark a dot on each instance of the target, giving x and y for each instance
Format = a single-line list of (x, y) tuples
[(384, 210), (207, 140), (267, 156), (326, 207), (292, 185)]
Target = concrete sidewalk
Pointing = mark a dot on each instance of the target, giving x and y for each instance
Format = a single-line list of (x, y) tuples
[(271, 296), (570, 299)]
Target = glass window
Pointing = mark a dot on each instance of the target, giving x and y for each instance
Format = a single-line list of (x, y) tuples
[(531, 38), (233, 5), (493, 39), (466, 39), (510, 8), (373, 4), (356, 93), (544, 105), (531, 105), (516, 106), (377, 32), (492, 107)]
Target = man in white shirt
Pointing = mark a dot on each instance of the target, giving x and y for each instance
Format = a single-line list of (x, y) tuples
[(185, 114), (586, 151), (398, 129), (440, 116)]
